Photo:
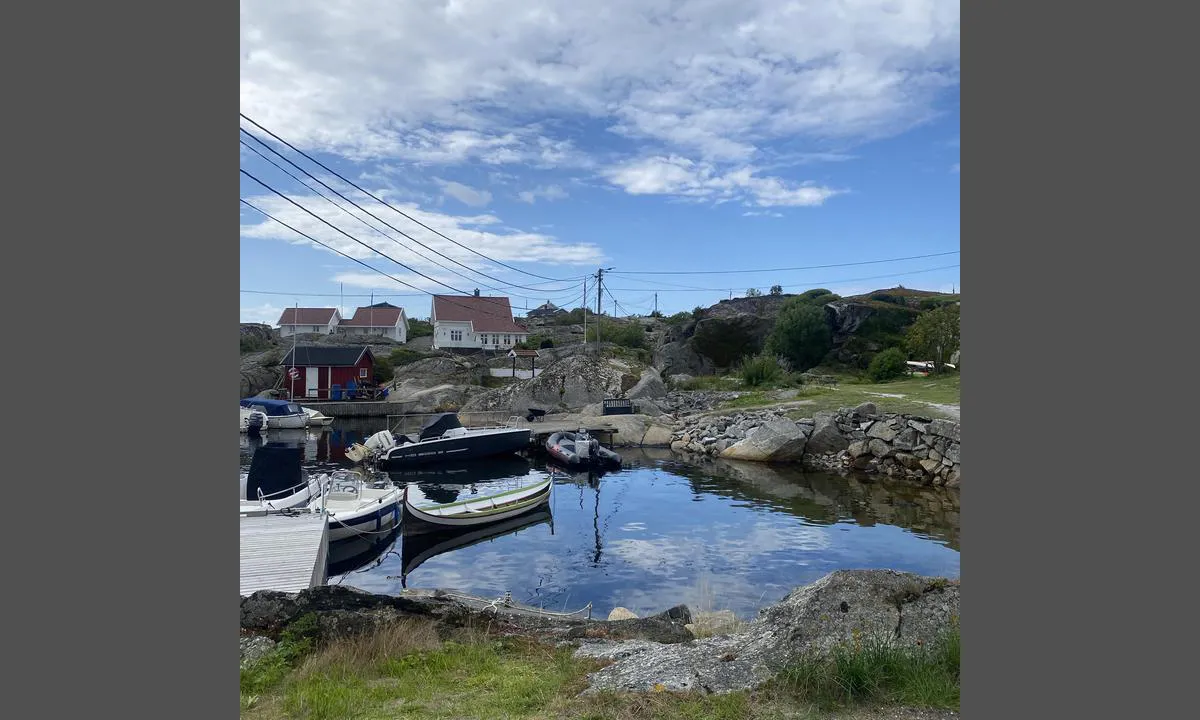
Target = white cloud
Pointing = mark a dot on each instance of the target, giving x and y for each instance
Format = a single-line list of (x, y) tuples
[(677, 175), (716, 81), (954, 169), (264, 313), (464, 193), (479, 232), (550, 192)]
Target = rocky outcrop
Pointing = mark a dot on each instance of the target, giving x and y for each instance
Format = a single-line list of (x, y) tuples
[(569, 383), (259, 371), (842, 608), (649, 385), (679, 357), (909, 446), (342, 611), (660, 651)]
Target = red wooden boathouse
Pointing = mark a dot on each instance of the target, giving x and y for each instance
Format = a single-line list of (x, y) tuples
[(320, 367)]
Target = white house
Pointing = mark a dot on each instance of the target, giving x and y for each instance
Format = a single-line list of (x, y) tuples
[(296, 321), (382, 319), (472, 321)]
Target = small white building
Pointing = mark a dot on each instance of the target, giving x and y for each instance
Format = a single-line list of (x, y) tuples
[(472, 321), (298, 321), (382, 319)]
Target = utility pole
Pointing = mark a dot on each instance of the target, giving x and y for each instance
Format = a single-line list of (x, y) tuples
[(585, 313), (599, 286), (655, 303)]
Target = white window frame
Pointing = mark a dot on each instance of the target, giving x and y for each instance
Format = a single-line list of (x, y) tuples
[(362, 373)]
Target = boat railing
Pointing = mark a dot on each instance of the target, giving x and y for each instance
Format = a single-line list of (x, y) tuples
[(267, 497), (411, 423)]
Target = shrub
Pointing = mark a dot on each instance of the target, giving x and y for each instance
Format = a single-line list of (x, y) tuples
[(403, 356), (419, 328), (887, 365), (384, 371), (801, 334), (679, 318), (760, 370), (547, 343), (252, 343), (628, 335), (776, 289)]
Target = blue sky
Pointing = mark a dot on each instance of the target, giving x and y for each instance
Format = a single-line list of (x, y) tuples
[(556, 137)]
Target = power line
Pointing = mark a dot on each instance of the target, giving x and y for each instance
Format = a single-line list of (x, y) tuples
[(374, 269), (368, 212), (378, 200), (360, 242), (811, 284), (807, 267)]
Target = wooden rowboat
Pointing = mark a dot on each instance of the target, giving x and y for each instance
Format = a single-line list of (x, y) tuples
[(480, 510)]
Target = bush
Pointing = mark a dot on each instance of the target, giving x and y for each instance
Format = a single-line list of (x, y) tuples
[(383, 370), (679, 318), (252, 343), (547, 343), (887, 365), (419, 328), (403, 356), (628, 335), (801, 334), (760, 370)]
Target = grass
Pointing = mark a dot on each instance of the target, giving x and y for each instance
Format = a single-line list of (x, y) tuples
[(877, 673), (916, 392), (406, 671)]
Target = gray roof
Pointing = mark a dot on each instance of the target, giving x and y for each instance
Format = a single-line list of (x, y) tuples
[(325, 355)]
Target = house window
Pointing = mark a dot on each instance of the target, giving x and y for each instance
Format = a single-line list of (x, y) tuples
[(362, 372), (508, 339), (456, 335)]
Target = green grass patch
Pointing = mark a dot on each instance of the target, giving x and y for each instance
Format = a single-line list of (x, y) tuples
[(878, 673), (406, 671)]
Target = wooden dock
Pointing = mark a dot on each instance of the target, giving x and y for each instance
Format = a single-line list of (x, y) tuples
[(283, 552), (539, 431)]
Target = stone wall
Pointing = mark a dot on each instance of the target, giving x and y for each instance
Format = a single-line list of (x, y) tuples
[(908, 446)]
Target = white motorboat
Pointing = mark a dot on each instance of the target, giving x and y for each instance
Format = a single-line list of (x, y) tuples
[(356, 507), (281, 414), (316, 418), (252, 421), (276, 481)]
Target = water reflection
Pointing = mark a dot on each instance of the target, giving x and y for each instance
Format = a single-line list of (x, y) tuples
[(655, 533)]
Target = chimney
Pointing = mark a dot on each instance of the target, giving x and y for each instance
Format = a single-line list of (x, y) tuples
[(476, 292)]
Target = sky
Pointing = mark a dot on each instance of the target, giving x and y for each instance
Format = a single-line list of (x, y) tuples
[(515, 147)]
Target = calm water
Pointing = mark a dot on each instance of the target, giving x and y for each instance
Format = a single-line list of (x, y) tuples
[(658, 532)]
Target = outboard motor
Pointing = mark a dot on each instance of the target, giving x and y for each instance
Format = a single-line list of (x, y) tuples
[(275, 467), (255, 423), (583, 445)]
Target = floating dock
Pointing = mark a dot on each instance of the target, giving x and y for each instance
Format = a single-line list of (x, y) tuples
[(283, 552)]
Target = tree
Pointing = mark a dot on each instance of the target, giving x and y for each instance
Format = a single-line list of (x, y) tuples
[(801, 334), (887, 365), (753, 292), (935, 335), (776, 289)]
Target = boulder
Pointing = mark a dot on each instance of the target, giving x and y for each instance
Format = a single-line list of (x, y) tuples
[(879, 448), (866, 409), (620, 613), (884, 606), (657, 435), (649, 385), (777, 440), (906, 439), (945, 429), (826, 437), (882, 431)]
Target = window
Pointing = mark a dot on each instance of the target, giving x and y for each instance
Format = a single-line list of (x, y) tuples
[(456, 335), (362, 372), (508, 339)]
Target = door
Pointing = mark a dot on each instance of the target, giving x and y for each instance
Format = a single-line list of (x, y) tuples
[(310, 381)]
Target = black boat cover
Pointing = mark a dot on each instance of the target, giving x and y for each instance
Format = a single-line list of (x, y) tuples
[(439, 424), (275, 467)]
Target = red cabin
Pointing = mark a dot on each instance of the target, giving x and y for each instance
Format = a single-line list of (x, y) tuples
[(318, 368)]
